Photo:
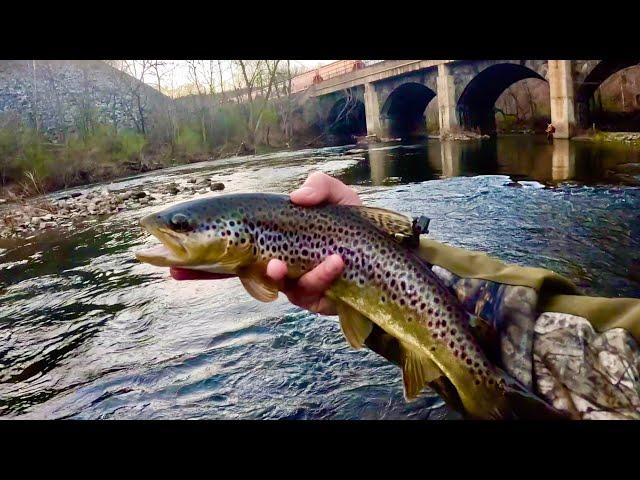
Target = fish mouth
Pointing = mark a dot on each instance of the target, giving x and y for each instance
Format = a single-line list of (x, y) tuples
[(172, 252)]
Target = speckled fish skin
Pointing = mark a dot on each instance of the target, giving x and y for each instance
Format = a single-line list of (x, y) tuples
[(382, 279)]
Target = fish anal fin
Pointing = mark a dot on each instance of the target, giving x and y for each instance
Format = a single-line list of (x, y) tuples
[(385, 345), (257, 284), (418, 370), (395, 224), (390, 348), (355, 326)]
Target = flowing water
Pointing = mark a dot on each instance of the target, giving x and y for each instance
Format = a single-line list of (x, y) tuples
[(88, 332)]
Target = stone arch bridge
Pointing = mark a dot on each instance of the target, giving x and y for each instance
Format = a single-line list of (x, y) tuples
[(395, 93)]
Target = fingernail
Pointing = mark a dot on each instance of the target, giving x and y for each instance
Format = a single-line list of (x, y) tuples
[(303, 191)]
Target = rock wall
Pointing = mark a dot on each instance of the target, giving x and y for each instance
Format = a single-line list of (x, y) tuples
[(64, 96)]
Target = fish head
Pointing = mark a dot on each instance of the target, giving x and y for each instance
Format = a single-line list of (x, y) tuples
[(205, 233)]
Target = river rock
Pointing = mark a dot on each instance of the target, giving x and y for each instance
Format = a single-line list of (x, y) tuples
[(76, 194), (368, 139), (139, 195), (628, 168), (191, 180), (623, 178), (216, 186)]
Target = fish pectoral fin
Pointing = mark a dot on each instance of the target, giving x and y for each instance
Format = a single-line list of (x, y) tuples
[(258, 284), (395, 224), (417, 371), (355, 326)]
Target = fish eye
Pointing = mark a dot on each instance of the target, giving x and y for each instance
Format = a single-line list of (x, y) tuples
[(180, 223)]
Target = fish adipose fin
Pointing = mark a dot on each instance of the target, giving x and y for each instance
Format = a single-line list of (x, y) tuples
[(395, 224), (355, 326), (417, 371), (257, 284)]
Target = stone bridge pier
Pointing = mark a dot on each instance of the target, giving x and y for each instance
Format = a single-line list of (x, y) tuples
[(563, 115), (465, 99)]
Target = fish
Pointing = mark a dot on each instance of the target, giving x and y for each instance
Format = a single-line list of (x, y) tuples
[(387, 297)]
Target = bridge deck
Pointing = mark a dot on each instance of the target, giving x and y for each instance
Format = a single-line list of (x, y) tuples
[(373, 73)]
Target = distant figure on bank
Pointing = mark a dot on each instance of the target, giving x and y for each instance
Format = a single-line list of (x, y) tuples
[(550, 131), (245, 150)]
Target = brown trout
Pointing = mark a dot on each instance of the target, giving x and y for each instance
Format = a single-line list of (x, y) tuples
[(387, 296)]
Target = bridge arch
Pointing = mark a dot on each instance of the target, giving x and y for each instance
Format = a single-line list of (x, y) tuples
[(478, 94), (346, 117), (403, 111), (593, 74)]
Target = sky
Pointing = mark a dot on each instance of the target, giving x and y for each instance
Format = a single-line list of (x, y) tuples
[(179, 72)]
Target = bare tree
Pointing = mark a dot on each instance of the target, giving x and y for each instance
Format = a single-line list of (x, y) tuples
[(529, 99), (161, 69), (285, 101), (135, 99), (53, 86), (257, 79), (34, 102)]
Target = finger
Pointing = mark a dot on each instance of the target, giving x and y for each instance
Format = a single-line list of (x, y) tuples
[(277, 271), (320, 187), (321, 277), (324, 306), (185, 274)]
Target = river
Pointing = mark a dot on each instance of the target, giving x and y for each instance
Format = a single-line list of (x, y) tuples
[(87, 332)]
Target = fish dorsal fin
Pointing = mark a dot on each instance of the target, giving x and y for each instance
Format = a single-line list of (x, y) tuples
[(258, 285), (417, 371), (395, 224), (355, 326)]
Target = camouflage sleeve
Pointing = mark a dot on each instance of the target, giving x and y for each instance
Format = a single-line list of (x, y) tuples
[(558, 356)]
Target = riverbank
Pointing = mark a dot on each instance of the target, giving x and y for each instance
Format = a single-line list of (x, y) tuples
[(104, 170), (623, 138), (28, 218)]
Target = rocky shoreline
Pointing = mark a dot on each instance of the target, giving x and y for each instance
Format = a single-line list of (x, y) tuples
[(29, 218)]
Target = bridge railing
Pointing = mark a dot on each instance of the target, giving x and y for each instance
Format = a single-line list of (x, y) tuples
[(336, 69)]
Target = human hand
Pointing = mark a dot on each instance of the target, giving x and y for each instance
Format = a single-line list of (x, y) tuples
[(308, 291)]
